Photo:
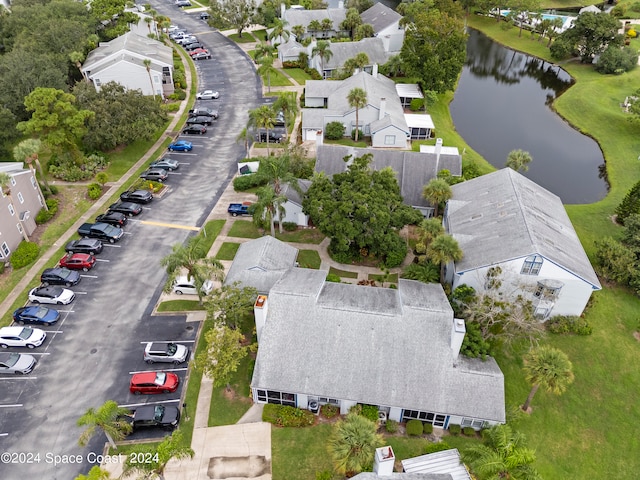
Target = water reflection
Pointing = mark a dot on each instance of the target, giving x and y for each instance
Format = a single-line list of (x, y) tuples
[(503, 103)]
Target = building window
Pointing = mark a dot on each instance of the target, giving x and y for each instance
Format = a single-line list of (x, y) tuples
[(40, 200), (389, 139), (280, 398), (332, 401), (97, 82), (471, 422), (20, 197), (428, 417), (13, 182), (541, 313), (549, 292), (11, 210), (5, 249), (532, 265), (33, 182), (19, 228), (156, 79)]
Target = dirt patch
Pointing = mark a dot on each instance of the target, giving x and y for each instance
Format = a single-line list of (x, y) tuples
[(636, 335), (233, 396)]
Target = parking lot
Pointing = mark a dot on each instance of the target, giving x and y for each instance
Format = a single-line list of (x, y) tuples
[(97, 344)]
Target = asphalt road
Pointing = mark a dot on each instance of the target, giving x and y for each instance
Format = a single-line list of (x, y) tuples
[(90, 354)]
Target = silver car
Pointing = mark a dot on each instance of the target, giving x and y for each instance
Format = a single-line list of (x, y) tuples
[(207, 95), (19, 363), (163, 352), (168, 164)]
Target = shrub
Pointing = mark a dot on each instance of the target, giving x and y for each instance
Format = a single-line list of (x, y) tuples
[(102, 178), (563, 324), (44, 215), (290, 226), (469, 431), (332, 277), (391, 426), (353, 134), (26, 253), (427, 428), (635, 7), (617, 60), (631, 33), (286, 416), (2, 266), (369, 412), (618, 11), (324, 475), (94, 190), (436, 447), (290, 64), (473, 344), (416, 104), (329, 411), (170, 107), (396, 256), (334, 131), (414, 428), (455, 429), (178, 95), (246, 182), (53, 188)]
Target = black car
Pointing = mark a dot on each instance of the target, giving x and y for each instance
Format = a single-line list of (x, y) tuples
[(60, 276), (200, 119), (92, 246), (128, 208), (137, 196), (202, 111), (116, 219), (204, 16), (274, 137), (192, 46), (195, 129), (36, 315), (164, 416)]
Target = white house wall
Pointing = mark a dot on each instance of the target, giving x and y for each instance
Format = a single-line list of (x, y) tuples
[(294, 214), (380, 138), (392, 38), (131, 76), (573, 296)]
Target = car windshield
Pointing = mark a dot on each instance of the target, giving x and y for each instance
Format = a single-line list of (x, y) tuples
[(42, 312), (160, 378), (172, 348), (12, 360), (158, 412), (26, 333), (64, 273)]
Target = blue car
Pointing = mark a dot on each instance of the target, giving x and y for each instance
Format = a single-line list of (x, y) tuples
[(180, 146), (36, 315)]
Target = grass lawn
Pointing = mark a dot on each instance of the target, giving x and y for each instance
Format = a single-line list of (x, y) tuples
[(299, 452), (342, 273), (180, 306), (393, 278), (303, 235), (261, 35), (277, 79), (244, 229), (246, 38), (298, 75), (309, 259), (348, 142), (227, 407), (227, 251)]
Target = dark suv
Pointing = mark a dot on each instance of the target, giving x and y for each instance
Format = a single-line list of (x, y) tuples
[(60, 276), (155, 174), (136, 196), (274, 136), (164, 416)]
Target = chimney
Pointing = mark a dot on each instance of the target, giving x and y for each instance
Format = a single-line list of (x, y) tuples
[(260, 309), (282, 10), (383, 462), (319, 138), (457, 336), (383, 106), (437, 152), (374, 71)]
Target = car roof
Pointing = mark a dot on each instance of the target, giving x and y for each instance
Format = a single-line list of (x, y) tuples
[(144, 377), (12, 330), (50, 288)]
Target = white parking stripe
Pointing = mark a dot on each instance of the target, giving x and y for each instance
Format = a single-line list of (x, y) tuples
[(111, 245), (90, 276), (150, 403), (3, 434), (183, 153), (11, 405), (128, 233), (19, 377), (161, 370), (168, 341), (102, 260), (80, 293), (174, 173), (38, 353)]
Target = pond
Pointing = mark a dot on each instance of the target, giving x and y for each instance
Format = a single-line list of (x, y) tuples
[(503, 102)]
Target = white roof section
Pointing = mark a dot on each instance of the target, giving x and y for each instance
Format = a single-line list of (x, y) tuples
[(443, 150), (12, 167), (503, 215), (590, 8), (416, 120), (408, 90), (402, 476), (372, 345), (447, 461)]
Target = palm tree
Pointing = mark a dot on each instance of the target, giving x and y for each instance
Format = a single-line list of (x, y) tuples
[(96, 473), (279, 30), (518, 160), (322, 50), (353, 443), (76, 58), (266, 68), (147, 65), (351, 21), (502, 455), (298, 31), (192, 257), (429, 229), (171, 447), (357, 99), (275, 171), (268, 206), (148, 21), (422, 272), (442, 250), (109, 419), (437, 191), (263, 50), (549, 368), (264, 117), (554, 30), (287, 102), (394, 66), (245, 136), (326, 25), (314, 26), (27, 151)]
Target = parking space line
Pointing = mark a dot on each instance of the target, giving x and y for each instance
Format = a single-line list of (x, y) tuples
[(90, 276), (161, 370), (149, 403), (102, 260), (11, 405), (19, 377), (169, 225), (39, 353), (168, 341), (174, 173), (80, 293), (3, 434), (112, 246), (128, 233), (182, 153)]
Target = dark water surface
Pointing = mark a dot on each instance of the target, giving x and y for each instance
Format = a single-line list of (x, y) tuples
[(503, 103)]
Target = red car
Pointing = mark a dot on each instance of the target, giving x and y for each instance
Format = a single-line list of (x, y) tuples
[(154, 382), (78, 261), (198, 50)]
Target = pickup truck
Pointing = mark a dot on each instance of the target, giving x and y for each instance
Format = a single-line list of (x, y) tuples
[(101, 231), (236, 209)]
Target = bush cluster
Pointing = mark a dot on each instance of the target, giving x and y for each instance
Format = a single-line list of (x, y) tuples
[(178, 94), (329, 411), (455, 429), (391, 426), (26, 253), (45, 215), (353, 134), (290, 226), (414, 428), (616, 60), (334, 131), (243, 183), (332, 277), (312, 72), (436, 447), (94, 190), (369, 412), (286, 416), (427, 428), (416, 104), (469, 431), (170, 107), (569, 324), (66, 169)]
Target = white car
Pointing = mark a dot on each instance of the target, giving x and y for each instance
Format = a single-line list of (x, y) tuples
[(53, 294), (20, 363), (207, 95), (21, 337), (186, 285)]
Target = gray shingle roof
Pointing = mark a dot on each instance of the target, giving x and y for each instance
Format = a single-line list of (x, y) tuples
[(293, 195), (261, 262), (380, 17), (413, 169), (343, 51), (504, 215), (304, 17), (291, 47), (371, 345)]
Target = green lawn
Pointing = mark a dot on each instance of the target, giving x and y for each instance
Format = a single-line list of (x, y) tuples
[(393, 278), (180, 306), (261, 35), (246, 38), (342, 273), (277, 79), (227, 251), (303, 235), (348, 142), (244, 229), (309, 259), (299, 452), (298, 74), (228, 406)]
